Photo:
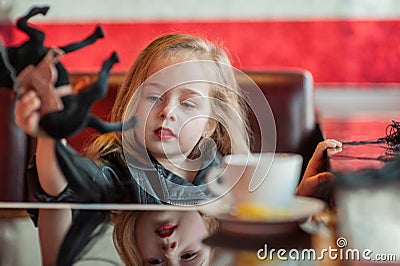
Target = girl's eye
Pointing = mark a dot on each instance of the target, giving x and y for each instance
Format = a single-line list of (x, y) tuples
[(154, 98), (188, 104), (156, 261), (189, 256)]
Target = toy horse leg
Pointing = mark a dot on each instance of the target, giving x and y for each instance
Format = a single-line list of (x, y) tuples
[(98, 33), (99, 89), (105, 127), (35, 35), (63, 79)]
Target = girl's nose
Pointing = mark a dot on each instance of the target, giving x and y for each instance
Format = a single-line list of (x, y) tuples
[(167, 111), (169, 247)]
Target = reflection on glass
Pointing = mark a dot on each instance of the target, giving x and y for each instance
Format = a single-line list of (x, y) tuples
[(163, 237), (156, 236), (367, 198)]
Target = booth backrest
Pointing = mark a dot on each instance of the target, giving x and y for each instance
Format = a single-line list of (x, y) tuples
[(290, 94)]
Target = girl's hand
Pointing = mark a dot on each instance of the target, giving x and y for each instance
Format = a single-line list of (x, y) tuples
[(27, 115), (313, 180)]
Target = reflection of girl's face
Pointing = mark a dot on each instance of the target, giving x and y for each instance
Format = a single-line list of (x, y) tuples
[(172, 238)]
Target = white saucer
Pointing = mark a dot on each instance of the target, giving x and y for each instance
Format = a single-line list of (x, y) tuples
[(300, 210)]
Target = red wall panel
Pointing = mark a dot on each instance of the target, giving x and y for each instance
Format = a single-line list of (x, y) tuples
[(338, 51)]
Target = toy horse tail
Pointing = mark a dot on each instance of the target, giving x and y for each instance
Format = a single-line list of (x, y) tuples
[(105, 127), (97, 34), (36, 36)]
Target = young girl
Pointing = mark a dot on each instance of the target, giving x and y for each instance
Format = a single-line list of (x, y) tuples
[(173, 122), (165, 118)]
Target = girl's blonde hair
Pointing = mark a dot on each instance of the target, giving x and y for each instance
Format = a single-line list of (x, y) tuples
[(230, 137), (124, 235)]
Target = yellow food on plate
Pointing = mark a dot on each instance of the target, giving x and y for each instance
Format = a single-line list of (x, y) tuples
[(249, 258), (259, 212)]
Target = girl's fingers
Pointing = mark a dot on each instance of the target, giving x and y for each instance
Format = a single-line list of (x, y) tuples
[(32, 124), (312, 185), (317, 159), (323, 145), (31, 104), (26, 112)]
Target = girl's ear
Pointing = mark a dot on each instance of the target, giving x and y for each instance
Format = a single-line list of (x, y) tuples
[(210, 128)]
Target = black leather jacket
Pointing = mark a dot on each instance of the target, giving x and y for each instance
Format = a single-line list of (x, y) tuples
[(110, 180)]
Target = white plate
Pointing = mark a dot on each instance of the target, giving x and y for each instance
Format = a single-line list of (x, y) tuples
[(300, 210)]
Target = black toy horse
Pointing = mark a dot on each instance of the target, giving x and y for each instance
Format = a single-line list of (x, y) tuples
[(33, 50), (29, 64), (75, 115)]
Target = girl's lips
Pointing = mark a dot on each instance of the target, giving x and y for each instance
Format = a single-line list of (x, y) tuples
[(165, 231), (164, 133)]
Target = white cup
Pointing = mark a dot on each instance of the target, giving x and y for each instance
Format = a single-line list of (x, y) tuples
[(257, 179)]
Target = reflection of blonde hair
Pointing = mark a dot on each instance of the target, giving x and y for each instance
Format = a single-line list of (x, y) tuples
[(124, 235), (173, 48)]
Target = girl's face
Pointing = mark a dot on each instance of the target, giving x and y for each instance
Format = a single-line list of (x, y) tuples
[(173, 111), (172, 238)]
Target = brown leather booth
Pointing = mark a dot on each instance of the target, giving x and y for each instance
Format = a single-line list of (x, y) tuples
[(289, 92), (13, 151)]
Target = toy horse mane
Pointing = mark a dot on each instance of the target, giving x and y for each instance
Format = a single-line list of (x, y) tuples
[(32, 65)]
